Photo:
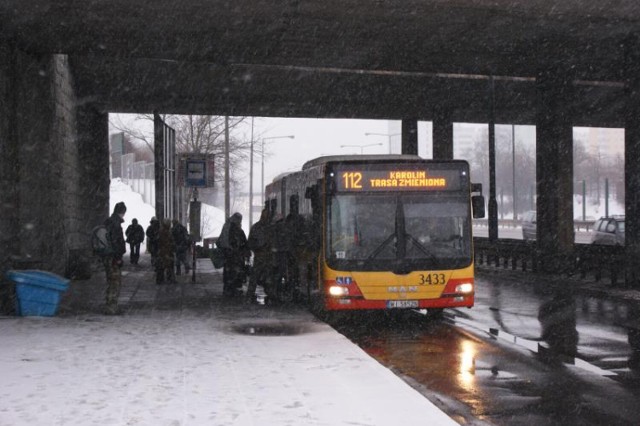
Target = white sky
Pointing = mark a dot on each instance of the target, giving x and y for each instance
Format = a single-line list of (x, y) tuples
[(317, 137), (312, 138)]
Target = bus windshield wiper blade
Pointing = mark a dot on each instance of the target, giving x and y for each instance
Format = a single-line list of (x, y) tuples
[(422, 248), (381, 247)]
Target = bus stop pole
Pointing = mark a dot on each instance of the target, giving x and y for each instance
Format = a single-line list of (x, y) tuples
[(194, 226)]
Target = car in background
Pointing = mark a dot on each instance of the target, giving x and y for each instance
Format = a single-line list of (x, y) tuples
[(529, 226), (608, 231)]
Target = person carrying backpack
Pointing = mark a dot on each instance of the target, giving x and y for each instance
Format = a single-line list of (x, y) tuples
[(113, 262), (135, 237)]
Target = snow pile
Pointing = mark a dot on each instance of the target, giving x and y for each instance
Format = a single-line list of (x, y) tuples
[(212, 217), (136, 208), (594, 209), (212, 221)]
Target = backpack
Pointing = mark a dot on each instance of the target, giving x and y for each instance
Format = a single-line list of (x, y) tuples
[(223, 240), (100, 242)]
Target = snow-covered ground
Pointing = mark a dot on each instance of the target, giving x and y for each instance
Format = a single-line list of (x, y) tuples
[(594, 209), (195, 368)]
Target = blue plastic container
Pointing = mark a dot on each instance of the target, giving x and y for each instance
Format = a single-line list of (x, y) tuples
[(38, 291)]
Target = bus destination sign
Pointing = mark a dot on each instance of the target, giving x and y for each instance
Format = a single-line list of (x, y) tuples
[(397, 178)]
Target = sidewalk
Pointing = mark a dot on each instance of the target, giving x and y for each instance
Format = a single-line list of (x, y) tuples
[(183, 355)]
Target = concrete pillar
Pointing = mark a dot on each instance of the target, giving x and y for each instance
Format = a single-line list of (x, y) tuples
[(158, 153), (493, 202), (92, 188), (9, 149), (41, 163), (93, 149), (41, 170), (442, 135), (410, 136), (632, 166), (554, 170)]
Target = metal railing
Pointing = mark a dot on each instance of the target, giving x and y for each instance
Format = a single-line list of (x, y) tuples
[(586, 260), (140, 176), (578, 225)]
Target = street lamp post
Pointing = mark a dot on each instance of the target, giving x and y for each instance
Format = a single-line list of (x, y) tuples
[(262, 171), (513, 170), (362, 147), (387, 135), (251, 179)]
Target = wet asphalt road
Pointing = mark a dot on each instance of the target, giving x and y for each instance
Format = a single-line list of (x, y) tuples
[(530, 352)]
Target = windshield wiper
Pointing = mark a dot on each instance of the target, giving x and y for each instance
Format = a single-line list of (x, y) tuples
[(422, 248), (381, 247)]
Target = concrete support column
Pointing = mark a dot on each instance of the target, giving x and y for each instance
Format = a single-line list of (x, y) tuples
[(40, 159), (92, 182), (93, 155), (41, 196), (158, 155), (442, 135), (493, 201), (554, 169), (9, 150), (410, 136), (632, 166)]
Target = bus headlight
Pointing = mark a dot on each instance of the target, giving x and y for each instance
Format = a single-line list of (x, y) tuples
[(464, 288), (338, 291)]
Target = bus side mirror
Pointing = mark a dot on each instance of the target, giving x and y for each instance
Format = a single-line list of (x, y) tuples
[(477, 205)]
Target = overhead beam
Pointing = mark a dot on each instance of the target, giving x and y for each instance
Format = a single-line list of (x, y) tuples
[(144, 86)]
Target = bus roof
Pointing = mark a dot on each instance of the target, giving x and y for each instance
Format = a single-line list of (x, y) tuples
[(329, 158)]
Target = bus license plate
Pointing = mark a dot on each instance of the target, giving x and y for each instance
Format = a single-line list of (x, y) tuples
[(402, 304)]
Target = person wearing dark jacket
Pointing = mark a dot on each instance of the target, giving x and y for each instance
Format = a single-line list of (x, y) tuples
[(296, 242), (166, 253), (260, 243), (153, 232), (135, 237), (113, 263), (182, 242), (233, 243)]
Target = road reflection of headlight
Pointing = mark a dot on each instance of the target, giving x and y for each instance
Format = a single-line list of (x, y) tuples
[(467, 363), (464, 288), (338, 291)]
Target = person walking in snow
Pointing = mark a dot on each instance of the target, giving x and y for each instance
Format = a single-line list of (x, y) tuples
[(135, 237)]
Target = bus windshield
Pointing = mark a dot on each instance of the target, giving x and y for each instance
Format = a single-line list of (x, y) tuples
[(409, 231)]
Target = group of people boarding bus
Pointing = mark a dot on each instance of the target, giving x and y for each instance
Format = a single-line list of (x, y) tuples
[(276, 244)]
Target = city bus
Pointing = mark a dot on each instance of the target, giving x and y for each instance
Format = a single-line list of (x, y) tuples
[(381, 232)]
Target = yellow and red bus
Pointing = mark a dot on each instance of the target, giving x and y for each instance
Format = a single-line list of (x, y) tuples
[(382, 231)]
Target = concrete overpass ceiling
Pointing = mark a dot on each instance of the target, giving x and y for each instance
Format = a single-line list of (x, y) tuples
[(346, 58)]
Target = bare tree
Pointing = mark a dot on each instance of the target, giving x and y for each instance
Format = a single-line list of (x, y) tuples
[(201, 134), (204, 134)]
